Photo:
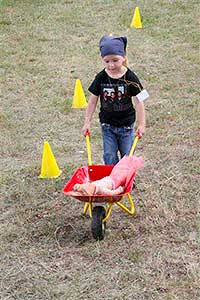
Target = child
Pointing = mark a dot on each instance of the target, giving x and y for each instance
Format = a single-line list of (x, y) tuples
[(116, 117)]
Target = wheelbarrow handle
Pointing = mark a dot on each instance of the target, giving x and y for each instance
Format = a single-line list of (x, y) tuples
[(87, 137), (137, 137)]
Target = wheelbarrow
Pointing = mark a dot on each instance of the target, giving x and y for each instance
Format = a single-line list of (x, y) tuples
[(98, 213)]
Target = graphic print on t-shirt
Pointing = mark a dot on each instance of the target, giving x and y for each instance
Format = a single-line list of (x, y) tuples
[(114, 97)]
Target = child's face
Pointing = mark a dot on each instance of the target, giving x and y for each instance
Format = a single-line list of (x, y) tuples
[(113, 62)]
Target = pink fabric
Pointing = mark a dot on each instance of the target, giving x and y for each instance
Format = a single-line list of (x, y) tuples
[(125, 169)]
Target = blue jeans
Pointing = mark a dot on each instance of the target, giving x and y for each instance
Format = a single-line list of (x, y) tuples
[(116, 139)]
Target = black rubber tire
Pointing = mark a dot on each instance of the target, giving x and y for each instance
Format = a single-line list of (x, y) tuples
[(97, 226)]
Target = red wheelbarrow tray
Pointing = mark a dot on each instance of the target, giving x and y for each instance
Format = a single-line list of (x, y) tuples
[(89, 174)]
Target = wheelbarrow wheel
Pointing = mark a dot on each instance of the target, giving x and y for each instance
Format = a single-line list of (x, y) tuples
[(97, 225)]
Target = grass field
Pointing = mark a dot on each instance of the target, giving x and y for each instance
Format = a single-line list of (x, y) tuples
[(46, 247)]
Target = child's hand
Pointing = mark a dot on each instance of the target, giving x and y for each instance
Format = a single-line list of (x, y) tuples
[(140, 130), (86, 129)]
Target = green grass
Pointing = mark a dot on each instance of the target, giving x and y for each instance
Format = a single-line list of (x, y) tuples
[(46, 248)]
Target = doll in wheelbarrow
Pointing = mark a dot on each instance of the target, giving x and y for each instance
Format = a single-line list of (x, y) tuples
[(115, 183)]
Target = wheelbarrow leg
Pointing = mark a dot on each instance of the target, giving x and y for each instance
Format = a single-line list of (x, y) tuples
[(88, 205), (130, 211)]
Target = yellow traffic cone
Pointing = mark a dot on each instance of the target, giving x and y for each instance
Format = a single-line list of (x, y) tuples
[(49, 167), (79, 100), (136, 20)]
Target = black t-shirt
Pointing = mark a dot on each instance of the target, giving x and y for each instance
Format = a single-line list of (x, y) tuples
[(115, 96)]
